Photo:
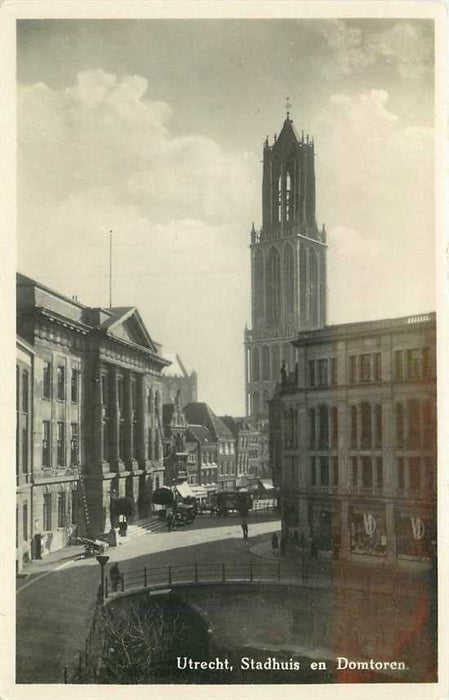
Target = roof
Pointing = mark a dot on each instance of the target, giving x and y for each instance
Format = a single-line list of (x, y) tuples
[(201, 434), (237, 424), (199, 413), (177, 368)]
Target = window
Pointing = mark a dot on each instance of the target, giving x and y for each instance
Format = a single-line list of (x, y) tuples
[(398, 364), (401, 474), (355, 471), (25, 522), (415, 473), (365, 362), (60, 444), (313, 471), (353, 426), (74, 507), (426, 366), (379, 473), (367, 472), (335, 471), (366, 437), (74, 387), (46, 512), (414, 432), (334, 426), (46, 380), (334, 367), (377, 367), (25, 446), (322, 372), (61, 509), (428, 426), (312, 429), (378, 424), (74, 443), (413, 364), (324, 471), (311, 372), (399, 425), (61, 383), (150, 401), (352, 369), (324, 427), (46, 443), (25, 391), (120, 393), (150, 444), (106, 441)]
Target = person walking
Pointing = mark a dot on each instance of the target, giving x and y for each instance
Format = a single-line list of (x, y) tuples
[(245, 529), (274, 543)]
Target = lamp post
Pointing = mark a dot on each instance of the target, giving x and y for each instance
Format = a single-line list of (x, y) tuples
[(102, 559)]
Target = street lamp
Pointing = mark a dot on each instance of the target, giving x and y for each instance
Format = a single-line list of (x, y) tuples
[(102, 559)]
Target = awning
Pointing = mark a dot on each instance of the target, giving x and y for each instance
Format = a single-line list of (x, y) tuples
[(267, 484), (185, 490), (198, 491)]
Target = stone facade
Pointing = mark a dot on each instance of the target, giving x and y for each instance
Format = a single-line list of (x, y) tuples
[(353, 438), (96, 411), (24, 457)]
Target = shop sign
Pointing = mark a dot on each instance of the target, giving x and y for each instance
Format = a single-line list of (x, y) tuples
[(418, 528)]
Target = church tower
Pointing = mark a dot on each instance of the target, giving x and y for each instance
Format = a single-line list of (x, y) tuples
[(288, 265)]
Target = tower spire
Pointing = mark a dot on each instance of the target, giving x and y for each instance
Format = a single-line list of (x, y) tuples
[(288, 106)]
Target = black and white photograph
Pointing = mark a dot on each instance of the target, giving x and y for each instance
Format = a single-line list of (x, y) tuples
[(227, 435)]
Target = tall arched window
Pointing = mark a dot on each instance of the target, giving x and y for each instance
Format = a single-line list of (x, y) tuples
[(258, 283), (266, 362), (313, 309), (366, 437), (289, 286), (279, 197), (273, 287), (255, 366), (288, 197)]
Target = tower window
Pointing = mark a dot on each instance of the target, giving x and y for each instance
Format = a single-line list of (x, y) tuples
[(288, 202)]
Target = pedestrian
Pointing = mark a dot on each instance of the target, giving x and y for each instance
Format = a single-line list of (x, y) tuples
[(246, 531), (274, 542), (115, 576), (170, 521)]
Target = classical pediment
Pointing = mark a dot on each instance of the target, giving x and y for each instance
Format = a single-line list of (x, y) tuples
[(127, 324)]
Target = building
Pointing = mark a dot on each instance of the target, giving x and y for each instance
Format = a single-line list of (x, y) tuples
[(199, 414), (288, 266), (247, 442), (176, 462), (353, 437), (24, 452), (97, 434), (176, 378), (206, 453)]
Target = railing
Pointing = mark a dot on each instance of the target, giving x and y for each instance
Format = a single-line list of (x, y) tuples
[(303, 573)]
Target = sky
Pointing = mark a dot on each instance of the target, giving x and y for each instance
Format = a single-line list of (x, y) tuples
[(154, 129)]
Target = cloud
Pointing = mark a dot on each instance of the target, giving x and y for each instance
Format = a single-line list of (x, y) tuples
[(406, 47)]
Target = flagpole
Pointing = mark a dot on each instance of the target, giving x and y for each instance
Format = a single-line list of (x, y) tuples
[(110, 269)]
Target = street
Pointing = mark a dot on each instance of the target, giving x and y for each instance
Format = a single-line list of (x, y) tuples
[(54, 607)]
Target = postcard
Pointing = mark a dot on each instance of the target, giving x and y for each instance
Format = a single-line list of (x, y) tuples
[(226, 299)]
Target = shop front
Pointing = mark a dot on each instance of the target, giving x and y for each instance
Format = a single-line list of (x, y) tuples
[(415, 534), (367, 527)]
